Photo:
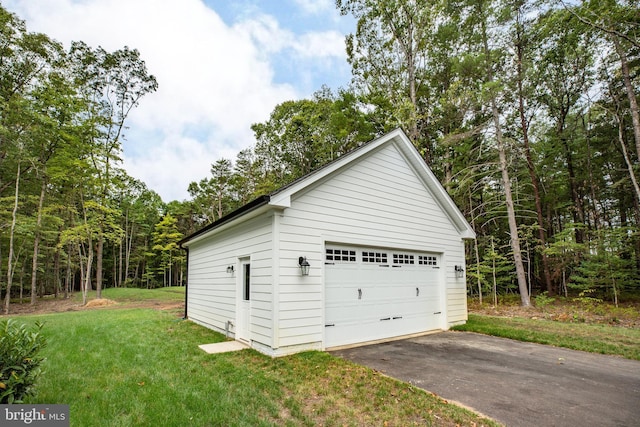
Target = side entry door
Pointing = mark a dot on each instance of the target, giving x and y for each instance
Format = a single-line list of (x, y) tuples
[(244, 311)]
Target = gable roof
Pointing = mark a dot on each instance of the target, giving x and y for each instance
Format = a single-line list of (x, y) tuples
[(281, 198)]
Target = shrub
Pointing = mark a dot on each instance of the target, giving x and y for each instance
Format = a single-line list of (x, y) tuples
[(19, 360), (543, 300)]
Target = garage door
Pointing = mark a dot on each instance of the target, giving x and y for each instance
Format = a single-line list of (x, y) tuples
[(373, 294)]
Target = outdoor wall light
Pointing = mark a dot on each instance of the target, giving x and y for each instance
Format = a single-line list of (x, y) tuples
[(230, 269), (304, 266), (459, 271)]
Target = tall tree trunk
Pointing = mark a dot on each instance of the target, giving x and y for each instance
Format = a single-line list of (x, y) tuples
[(68, 276), (592, 184), (115, 267), (414, 131), (36, 243), (527, 150), (56, 272), (633, 102), (578, 208), (506, 181), (14, 212), (99, 256), (475, 248), (21, 281), (127, 263), (86, 277), (627, 160), (120, 260)]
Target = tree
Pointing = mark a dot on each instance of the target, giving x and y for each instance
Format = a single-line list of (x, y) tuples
[(388, 55), (564, 75), (165, 243), (112, 84), (301, 136), (619, 24), (523, 91), (141, 210), (25, 61)]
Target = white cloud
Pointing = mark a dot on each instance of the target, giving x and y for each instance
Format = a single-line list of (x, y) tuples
[(315, 6), (327, 44), (214, 80), (271, 38)]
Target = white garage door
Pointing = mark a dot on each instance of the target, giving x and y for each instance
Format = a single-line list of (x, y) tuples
[(374, 294)]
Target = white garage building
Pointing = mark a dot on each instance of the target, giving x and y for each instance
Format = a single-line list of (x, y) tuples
[(383, 241)]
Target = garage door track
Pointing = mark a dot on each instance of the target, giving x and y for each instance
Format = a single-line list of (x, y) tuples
[(515, 383)]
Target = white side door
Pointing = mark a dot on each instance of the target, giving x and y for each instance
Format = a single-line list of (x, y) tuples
[(243, 320)]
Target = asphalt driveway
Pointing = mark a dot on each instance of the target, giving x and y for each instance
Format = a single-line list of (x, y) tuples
[(516, 383)]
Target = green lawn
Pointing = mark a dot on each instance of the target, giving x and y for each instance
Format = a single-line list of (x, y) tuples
[(135, 366), (131, 367), (595, 338), (127, 295)]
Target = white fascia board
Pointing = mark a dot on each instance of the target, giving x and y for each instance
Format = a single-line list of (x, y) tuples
[(281, 200)]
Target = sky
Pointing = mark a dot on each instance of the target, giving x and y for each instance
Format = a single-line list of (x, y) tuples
[(221, 65)]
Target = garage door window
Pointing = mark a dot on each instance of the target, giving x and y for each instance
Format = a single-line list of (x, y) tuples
[(427, 260), (403, 259), (378, 257), (340, 255)]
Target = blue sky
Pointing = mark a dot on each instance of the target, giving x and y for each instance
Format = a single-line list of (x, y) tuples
[(221, 65)]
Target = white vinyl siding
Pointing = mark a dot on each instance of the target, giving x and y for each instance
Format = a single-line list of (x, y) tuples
[(377, 199), (212, 292)]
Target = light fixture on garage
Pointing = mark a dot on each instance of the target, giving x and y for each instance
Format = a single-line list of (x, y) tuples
[(230, 269), (459, 271), (304, 266)]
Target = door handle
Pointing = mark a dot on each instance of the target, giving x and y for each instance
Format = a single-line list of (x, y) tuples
[(417, 292), (359, 293)]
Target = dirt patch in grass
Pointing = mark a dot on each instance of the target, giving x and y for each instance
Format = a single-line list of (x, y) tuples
[(565, 310), (58, 305), (99, 302)]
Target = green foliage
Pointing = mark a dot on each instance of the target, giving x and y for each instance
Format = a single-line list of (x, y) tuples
[(20, 360), (301, 136), (495, 272), (542, 300), (607, 269), (61, 119), (166, 252)]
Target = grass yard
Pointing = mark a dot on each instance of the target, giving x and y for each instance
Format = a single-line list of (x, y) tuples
[(594, 338), (139, 364), (124, 295), (142, 366), (111, 297)]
